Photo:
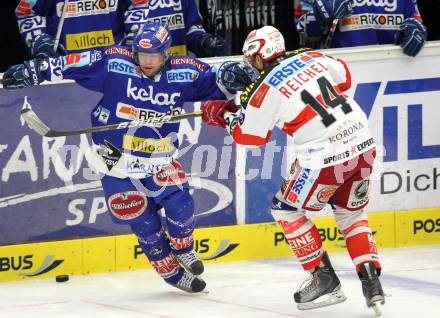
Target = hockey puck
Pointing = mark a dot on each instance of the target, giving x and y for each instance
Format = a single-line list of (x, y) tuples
[(62, 278)]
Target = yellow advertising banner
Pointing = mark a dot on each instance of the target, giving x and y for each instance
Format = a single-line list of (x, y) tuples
[(215, 244)]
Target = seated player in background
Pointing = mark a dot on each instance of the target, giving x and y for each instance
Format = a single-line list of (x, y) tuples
[(141, 174), (80, 26), (303, 94), (185, 24), (347, 23)]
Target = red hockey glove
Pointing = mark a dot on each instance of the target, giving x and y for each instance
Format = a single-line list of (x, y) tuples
[(213, 112)]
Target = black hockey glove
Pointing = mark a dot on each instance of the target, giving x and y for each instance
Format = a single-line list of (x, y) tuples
[(411, 36), (42, 47), (235, 76), (209, 45), (24, 75)]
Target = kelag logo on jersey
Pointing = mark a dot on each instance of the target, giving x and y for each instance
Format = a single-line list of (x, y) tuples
[(366, 95), (161, 4), (182, 75), (147, 95), (387, 5)]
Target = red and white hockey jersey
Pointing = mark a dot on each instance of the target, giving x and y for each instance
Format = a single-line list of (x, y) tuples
[(302, 95)]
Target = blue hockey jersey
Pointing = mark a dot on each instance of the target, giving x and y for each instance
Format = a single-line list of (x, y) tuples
[(129, 95), (372, 22), (87, 23), (181, 16)]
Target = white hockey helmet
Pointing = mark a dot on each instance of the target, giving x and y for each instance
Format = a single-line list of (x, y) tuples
[(267, 42)]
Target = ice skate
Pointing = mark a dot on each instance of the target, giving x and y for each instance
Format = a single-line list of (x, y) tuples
[(191, 262), (371, 287), (190, 283), (323, 288)]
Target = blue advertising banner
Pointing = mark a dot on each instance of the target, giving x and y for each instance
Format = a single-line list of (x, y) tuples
[(48, 191), (265, 168)]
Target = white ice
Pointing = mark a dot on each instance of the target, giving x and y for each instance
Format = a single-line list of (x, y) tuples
[(261, 288)]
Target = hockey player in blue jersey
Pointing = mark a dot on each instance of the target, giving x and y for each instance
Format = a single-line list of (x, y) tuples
[(82, 25), (346, 23), (184, 21), (141, 172), (87, 24)]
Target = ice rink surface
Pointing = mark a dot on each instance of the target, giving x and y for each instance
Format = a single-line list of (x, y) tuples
[(262, 288)]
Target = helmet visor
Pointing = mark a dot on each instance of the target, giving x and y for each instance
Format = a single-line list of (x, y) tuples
[(249, 62)]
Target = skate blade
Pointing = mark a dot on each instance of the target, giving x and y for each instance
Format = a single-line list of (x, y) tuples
[(376, 303), (333, 298), (376, 308)]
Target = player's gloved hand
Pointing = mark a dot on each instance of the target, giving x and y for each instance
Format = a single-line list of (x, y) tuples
[(209, 45), (328, 10), (411, 36), (129, 36), (235, 76), (23, 75), (42, 47), (213, 112)]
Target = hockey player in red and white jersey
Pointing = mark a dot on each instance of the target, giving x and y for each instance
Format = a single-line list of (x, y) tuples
[(302, 93)]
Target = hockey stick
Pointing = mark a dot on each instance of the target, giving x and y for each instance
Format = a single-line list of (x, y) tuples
[(42, 129), (330, 34), (60, 26)]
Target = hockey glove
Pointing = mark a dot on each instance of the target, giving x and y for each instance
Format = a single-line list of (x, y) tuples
[(235, 76), (411, 36), (128, 38), (42, 47), (209, 45), (213, 112), (23, 75), (328, 10)]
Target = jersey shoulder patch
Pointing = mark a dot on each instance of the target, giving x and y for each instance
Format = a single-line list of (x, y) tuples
[(185, 62), (119, 50)]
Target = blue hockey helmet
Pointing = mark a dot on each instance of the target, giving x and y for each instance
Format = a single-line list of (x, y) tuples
[(151, 38)]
